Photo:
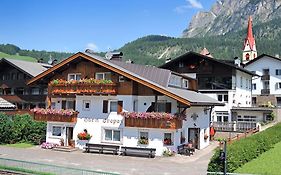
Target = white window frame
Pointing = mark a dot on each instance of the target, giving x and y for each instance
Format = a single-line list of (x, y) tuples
[(35, 91), (75, 76), (222, 115), (112, 132), (172, 138), (254, 86), (121, 78), (52, 129), (142, 130), (84, 105), (278, 85), (185, 83), (109, 105), (222, 98), (103, 75)]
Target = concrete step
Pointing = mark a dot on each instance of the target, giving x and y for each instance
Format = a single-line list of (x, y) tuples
[(65, 149)]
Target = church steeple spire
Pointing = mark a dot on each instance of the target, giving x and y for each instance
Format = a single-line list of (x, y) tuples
[(249, 48)]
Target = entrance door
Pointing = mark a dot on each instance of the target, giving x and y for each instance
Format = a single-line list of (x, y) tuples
[(69, 136), (193, 136)]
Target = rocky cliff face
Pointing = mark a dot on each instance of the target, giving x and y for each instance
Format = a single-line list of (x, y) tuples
[(231, 16)]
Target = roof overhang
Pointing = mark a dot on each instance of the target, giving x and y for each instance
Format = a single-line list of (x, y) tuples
[(258, 109), (112, 68)]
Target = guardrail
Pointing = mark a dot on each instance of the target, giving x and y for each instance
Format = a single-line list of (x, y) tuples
[(48, 168)]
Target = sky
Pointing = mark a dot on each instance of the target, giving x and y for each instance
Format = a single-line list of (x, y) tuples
[(74, 25)]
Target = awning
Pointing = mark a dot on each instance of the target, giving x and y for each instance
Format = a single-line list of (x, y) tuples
[(4, 104)]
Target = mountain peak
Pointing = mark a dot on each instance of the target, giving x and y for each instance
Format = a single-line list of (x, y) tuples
[(231, 16)]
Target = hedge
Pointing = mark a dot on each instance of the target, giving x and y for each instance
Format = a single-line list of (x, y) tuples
[(21, 128), (246, 149)]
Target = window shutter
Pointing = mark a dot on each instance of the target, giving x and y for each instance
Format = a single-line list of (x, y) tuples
[(168, 107), (120, 107), (105, 106), (74, 105)]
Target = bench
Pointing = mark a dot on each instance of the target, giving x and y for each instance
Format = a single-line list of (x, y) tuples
[(183, 149), (150, 152), (101, 148)]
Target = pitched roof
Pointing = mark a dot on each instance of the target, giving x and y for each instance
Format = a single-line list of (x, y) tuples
[(191, 53), (4, 104), (262, 56), (31, 68), (250, 36), (152, 77)]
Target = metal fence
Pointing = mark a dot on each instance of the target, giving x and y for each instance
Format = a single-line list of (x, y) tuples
[(234, 126), (47, 168)]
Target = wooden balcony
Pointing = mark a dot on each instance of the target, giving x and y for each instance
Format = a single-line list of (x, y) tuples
[(159, 120), (265, 91), (56, 118), (265, 77), (82, 89)]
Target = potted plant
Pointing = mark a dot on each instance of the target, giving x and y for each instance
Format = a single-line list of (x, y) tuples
[(143, 141), (83, 138), (167, 141)]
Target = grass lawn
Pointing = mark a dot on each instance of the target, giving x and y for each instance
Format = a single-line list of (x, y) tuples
[(267, 163), (18, 57), (20, 145)]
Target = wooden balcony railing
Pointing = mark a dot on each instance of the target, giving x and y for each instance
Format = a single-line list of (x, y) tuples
[(56, 118), (265, 91), (54, 115), (91, 89), (160, 123), (265, 77)]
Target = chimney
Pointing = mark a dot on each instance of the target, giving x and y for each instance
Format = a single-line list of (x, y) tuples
[(237, 61), (117, 56), (168, 60)]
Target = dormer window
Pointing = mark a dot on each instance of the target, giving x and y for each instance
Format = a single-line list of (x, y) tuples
[(181, 64), (185, 83), (74, 76), (103, 76)]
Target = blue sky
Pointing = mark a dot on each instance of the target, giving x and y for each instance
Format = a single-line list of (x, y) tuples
[(73, 25)]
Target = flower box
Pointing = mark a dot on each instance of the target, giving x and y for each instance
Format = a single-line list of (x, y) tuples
[(56, 115)]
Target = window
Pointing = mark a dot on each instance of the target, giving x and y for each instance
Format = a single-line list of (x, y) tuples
[(246, 83), (86, 105), (35, 91), (45, 91), (161, 107), (278, 85), (254, 86), (112, 106), (247, 118), (71, 105), (112, 135), (74, 76), (254, 100), (175, 80), (181, 64), (222, 116), (143, 137), (223, 98), (185, 83), (103, 76), (57, 131), (168, 139), (278, 71), (241, 81), (121, 78), (19, 91), (20, 76)]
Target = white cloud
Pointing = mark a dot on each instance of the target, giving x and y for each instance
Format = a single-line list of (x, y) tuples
[(190, 4), (92, 46)]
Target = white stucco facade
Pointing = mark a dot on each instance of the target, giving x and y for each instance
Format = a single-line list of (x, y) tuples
[(96, 123)]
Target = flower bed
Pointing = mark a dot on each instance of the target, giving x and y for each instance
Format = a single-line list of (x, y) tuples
[(63, 112), (88, 81), (153, 115)]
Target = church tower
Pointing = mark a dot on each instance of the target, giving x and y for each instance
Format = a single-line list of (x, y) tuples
[(249, 48)]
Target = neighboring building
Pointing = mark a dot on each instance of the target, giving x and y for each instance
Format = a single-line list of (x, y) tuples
[(228, 83), (114, 111), (267, 87), (13, 77), (249, 48), (5, 105)]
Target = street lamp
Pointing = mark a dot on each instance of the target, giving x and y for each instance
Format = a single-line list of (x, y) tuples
[(223, 156)]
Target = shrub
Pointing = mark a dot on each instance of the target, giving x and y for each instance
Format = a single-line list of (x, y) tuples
[(246, 149), (21, 128)]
